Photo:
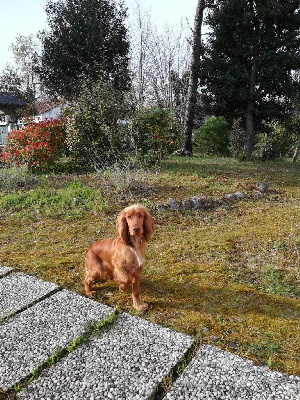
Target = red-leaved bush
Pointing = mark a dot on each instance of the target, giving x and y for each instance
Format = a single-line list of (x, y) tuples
[(37, 144)]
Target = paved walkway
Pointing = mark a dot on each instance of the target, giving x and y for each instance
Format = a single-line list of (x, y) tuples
[(56, 344)]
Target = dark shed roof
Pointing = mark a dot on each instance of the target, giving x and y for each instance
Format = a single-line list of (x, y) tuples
[(8, 99)]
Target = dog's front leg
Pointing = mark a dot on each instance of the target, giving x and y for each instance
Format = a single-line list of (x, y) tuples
[(136, 283), (122, 277)]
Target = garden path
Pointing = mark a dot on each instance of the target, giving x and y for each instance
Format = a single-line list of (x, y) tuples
[(56, 344)]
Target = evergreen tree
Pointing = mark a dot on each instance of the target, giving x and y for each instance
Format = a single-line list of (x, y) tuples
[(87, 39), (12, 82), (253, 48)]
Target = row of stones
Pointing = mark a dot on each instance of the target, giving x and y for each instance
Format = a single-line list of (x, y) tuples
[(204, 203)]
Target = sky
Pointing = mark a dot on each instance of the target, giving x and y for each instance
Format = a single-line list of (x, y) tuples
[(27, 17)]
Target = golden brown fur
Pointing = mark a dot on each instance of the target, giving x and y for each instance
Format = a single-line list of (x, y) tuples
[(122, 258)]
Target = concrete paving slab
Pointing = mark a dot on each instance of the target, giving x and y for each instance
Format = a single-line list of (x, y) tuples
[(125, 361), (18, 290), (4, 270), (215, 374), (31, 337)]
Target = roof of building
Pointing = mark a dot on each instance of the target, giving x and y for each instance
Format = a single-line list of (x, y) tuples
[(46, 105), (9, 99)]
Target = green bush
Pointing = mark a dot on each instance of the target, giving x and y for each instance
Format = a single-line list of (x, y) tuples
[(213, 137), (96, 133), (237, 137), (276, 142), (156, 134)]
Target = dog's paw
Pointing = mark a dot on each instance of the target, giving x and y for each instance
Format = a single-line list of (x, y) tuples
[(92, 293), (141, 306), (123, 287)]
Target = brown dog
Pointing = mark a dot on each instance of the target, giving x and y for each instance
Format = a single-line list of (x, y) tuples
[(123, 257)]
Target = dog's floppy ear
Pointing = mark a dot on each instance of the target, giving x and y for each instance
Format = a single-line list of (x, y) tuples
[(121, 227), (148, 225)]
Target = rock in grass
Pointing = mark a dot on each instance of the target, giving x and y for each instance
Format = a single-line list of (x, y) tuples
[(207, 203), (173, 204), (196, 203), (186, 205), (163, 207), (262, 187), (218, 202), (229, 196), (240, 195), (256, 194)]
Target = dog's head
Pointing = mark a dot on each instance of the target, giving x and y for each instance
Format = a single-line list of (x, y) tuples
[(134, 221)]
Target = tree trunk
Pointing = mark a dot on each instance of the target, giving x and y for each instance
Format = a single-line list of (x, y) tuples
[(141, 74), (141, 61), (193, 81), (250, 133), (249, 129), (296, 154)]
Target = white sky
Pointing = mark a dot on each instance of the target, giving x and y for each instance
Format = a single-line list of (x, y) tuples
[(27, 17)]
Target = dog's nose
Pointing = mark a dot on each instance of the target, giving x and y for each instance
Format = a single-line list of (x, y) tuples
[(136, 230)]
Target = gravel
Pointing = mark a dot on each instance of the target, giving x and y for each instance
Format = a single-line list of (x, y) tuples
[(29, 338), (215, 374), (4, 270), (18, 290), (126, 361)]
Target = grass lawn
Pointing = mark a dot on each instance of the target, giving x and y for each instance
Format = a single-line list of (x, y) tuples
[(228, 276)]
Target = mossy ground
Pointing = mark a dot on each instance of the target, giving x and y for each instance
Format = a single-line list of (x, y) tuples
[(228, 276)]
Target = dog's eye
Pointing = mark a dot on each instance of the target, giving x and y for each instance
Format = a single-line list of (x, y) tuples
[(140, 215), (128, 216)]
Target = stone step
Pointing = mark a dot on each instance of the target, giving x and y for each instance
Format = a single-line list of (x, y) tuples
[(31, 337), (18, 291), (214, 374), (125, 361)]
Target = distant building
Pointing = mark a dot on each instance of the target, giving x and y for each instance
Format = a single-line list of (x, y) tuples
[(47, 110), (8, 115)]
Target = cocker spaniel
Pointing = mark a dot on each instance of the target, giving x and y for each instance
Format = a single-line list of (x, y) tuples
[(122, 258)]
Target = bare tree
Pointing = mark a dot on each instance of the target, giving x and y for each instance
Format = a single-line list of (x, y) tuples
[(159, 61), (23, 50), (170, 60), (141, 31)]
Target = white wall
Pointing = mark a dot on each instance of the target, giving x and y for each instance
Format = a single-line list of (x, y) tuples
[(53, 113)]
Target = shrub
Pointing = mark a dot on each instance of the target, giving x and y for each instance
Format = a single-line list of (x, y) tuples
[(213, 137), (275, 142), (126, 180), (37, 145), (96, 135), (237, 137), (13, 178), (156, 134)]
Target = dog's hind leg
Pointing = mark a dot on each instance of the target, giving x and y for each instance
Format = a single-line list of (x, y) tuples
[(95, 271)]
